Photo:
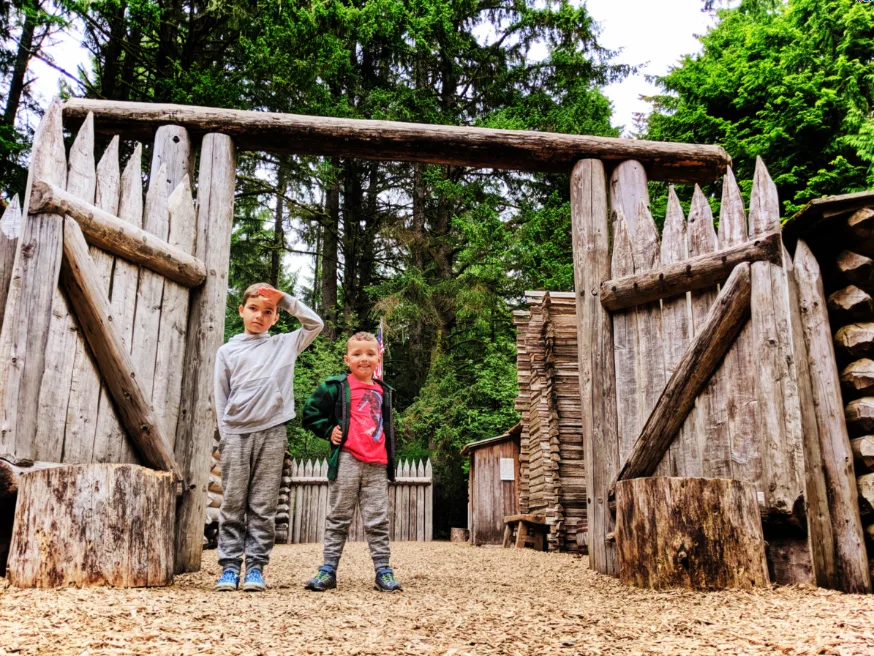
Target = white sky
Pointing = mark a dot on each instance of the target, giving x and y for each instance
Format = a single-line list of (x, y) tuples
[(653, 35)]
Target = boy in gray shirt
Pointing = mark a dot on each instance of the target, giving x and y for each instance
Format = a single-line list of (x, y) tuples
[(254, 397)]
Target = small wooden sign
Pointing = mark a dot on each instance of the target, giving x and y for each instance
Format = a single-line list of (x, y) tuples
[(508, 470)]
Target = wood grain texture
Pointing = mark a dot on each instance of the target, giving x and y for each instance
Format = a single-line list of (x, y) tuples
[(693, 273), (850, 304), (110, 441), (590, 230), (206, 321), (697, 365), (860, 228), (95, 524), (859, 414), (121, 238), (739, 362), (31, 291), (85, 384), (855, 340), (696, 533), (116, 365), (10, 231), (411, 142), (856, 269), (857, 378), (863, 452), (627, 189)]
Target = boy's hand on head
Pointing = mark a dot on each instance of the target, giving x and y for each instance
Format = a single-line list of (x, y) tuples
[(273, 296), (336, 435)]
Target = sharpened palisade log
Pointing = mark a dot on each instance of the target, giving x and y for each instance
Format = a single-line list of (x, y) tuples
[(860, 415), (120, 237), (850, 304), (700, 360), (863, 452), (851, 560), (95, 317), (10, 230), (689, 275), (857, 378), (856, 340), (697, 533), (409, 142), (857, 269)]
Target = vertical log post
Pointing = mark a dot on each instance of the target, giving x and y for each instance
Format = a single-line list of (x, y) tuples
[(10, 231), (591, 246), (34, 282), (206, 322)]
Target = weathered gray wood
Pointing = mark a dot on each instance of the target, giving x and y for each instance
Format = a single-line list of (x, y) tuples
[(698, 533), (116, 366), (863, 452), (591, 233), (856, 340), (856, 269), (692, 274), (173, 148), (121, 238), (739, 362), (10, 231), (110, 441), (626, 351), (850, 304), (429, 503), (124, 539), (411, 142), (34, 283), (85, 385), (628, 187), (677, 331), (830, 534), (174, 313), (857, 378), (711, 412), (860, 416), (215, 211), (700, 360)]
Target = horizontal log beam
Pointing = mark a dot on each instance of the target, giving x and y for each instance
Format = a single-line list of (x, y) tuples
[(699, 362), (120, 237), (689, 275), (89, 302), (408, 142)]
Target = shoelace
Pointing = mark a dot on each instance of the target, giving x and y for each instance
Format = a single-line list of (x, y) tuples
[(321, 577)]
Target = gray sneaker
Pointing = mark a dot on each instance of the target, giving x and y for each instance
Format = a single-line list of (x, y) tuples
[(325, 579), (386, 582)]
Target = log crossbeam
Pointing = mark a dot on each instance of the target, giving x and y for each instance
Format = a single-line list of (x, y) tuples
[(700, 360), (119, 237), (92, 308), (692, 274)]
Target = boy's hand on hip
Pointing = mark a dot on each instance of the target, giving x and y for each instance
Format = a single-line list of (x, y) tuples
[(336, 435)]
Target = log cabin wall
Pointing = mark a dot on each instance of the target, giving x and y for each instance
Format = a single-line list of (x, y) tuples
[(132, 316)]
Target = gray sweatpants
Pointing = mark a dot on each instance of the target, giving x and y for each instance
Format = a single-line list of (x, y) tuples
[(364, 484), (251, 475)]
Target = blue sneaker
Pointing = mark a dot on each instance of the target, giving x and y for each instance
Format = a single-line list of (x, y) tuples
[(325, 579), (254, 581), (228, 581), (386, 582)]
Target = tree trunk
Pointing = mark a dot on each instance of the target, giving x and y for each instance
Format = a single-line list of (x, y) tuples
[(22, 57), (698, 533), (278, 231), (330, 235), (125, 541)]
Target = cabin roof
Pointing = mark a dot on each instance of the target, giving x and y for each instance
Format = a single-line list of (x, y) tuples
[(514, 433), (822, 209)]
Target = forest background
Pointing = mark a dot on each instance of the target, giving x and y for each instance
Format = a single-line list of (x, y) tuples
[(443, 254)]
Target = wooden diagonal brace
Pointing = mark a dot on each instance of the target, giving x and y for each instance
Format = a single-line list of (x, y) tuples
[(703, 355), (689, 275), (119, 237), (94, 313)]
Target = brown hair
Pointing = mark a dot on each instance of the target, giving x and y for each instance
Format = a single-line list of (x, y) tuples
[(361, 337), (252, 290)]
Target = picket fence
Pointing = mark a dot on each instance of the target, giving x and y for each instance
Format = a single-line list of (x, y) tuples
[(410, 503)]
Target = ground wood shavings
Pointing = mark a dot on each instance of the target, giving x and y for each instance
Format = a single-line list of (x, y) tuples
[(459, 601)]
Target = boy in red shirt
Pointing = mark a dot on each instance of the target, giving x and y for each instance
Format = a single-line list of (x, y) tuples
[(354, 413)]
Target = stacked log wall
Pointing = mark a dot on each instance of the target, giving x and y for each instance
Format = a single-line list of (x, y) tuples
[(523, 376)]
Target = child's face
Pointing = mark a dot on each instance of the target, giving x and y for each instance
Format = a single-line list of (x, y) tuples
[(258, 315), (362, 357)]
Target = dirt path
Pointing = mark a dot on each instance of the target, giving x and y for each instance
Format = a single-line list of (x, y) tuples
[(459, 600)]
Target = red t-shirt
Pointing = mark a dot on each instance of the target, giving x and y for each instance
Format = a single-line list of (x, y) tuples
[(366, 439)]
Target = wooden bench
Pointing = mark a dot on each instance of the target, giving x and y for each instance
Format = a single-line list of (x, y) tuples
[(530, 531)]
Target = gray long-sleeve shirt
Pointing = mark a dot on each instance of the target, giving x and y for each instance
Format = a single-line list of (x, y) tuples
[(254, 374)]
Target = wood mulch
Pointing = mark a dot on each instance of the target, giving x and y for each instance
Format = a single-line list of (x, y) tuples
[(459, 600)]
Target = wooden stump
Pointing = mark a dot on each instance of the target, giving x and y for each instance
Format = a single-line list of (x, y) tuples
[(699, 533), (459, 535), (97, 524)]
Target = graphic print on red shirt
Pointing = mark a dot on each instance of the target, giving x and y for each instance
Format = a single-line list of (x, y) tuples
[(366, 440)]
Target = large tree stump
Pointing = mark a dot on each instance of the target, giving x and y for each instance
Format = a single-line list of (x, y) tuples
[(699, 533), (94, 524)]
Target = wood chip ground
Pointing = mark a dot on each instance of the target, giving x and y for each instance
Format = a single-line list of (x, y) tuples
[(458, 600)]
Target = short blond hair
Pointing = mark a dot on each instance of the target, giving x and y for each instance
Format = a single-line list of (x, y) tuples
[(361, 337), (252, 290)]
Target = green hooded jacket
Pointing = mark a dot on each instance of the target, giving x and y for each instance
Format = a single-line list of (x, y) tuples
[(329, 406)]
